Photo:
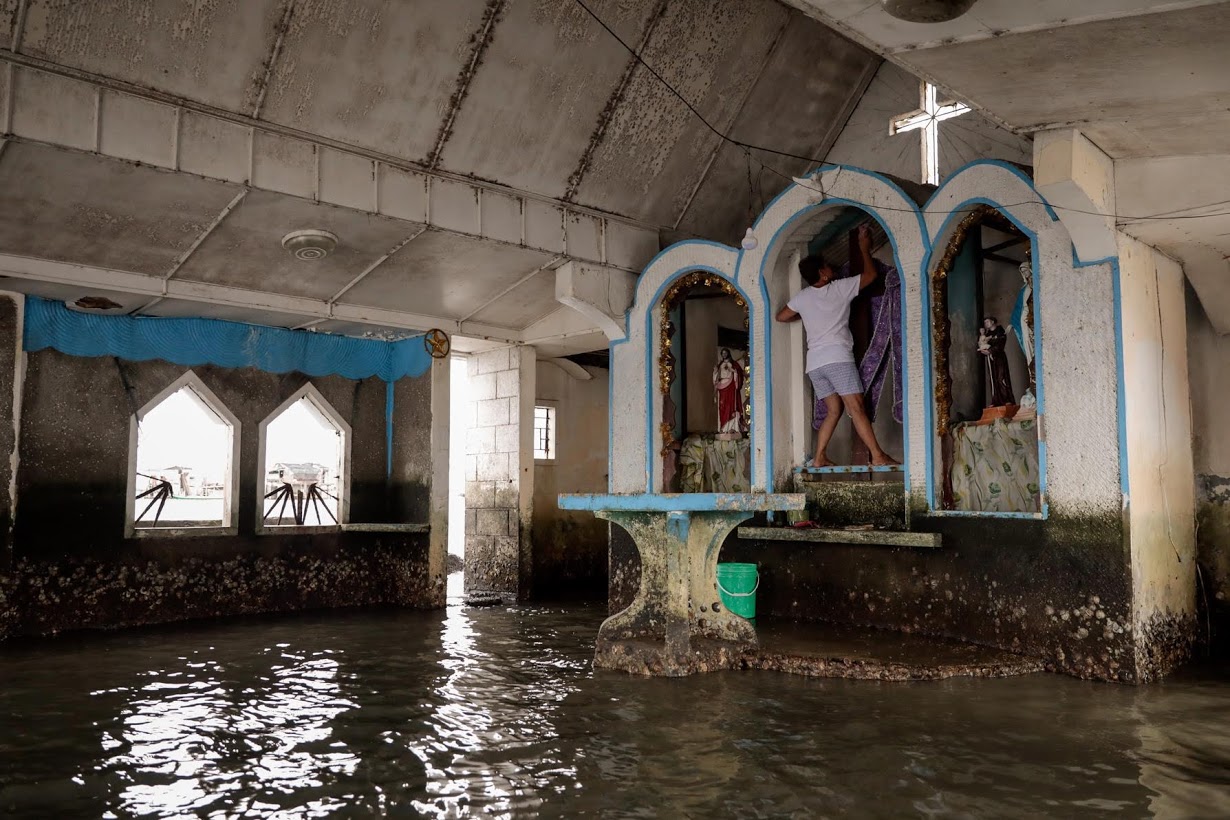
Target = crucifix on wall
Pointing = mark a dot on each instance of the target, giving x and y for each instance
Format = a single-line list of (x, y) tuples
[(927, 118)]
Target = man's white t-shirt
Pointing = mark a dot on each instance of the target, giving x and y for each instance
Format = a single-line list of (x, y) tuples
[(826, 318)]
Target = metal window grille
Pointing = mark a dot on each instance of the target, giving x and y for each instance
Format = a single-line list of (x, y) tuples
[(544, 432)]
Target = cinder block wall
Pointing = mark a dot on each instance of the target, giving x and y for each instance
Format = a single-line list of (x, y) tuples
[(500, 471)]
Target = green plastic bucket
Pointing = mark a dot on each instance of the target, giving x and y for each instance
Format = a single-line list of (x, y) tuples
[(737, 585)]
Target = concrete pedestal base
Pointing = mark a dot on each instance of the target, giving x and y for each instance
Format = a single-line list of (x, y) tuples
[(676, 625)]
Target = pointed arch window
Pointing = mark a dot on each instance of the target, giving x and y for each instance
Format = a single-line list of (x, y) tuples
[(183, 448), (305, 464)]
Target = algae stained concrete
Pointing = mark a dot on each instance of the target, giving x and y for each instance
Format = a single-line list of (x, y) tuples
[(570, 547), (1159, 434), (75, 569)]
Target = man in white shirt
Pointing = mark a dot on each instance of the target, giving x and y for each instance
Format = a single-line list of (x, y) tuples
[(824, 307)]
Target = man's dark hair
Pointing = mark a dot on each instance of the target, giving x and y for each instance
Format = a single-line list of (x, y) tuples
[(810, 268)]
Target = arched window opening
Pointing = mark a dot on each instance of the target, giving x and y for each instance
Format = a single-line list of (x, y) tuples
[(305, 454), (704, 374), (183, 459), (983, 342)]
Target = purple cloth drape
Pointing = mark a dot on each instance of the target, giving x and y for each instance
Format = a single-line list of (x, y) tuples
[(884, 352)]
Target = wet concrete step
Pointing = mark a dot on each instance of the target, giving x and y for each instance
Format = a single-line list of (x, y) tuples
[(838, 504), (863, 653)]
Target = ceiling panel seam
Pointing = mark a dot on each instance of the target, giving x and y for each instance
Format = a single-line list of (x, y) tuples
[(109, 83), (377, 264), (608, 112), (842, 119), (196, 243), (734, 118), (19, 26), (510, 289), (86, 276), (7, 119), (275, 51), (491, 16)]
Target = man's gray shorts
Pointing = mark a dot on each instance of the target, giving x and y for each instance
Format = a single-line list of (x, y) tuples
[(839, 377)]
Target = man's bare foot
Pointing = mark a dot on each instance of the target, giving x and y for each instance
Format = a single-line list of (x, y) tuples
[(823, 461), (885, 460)]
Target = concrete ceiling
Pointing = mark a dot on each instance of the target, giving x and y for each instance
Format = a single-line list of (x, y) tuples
[(1147, 81), (158, 150)]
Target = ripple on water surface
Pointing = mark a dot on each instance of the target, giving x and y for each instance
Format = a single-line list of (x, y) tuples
[(498, 712)]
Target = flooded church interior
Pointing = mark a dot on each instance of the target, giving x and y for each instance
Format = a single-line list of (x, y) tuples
[(622, 408)]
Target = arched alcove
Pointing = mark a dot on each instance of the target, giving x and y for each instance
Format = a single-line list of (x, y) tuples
[(983, 326), (704, 384), (304, 459), (183, 450), (787, 225), (1075, 341)]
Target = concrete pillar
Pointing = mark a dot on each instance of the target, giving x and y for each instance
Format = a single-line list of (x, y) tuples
[(1161, 493), (1079, 179), (500, 471), (441, 431), (12, 361)]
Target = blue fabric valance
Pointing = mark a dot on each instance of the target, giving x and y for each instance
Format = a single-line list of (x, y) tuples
[(193, 342)]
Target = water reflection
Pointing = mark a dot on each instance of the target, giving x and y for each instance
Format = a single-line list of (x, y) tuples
[(196, 739), (497, 712)]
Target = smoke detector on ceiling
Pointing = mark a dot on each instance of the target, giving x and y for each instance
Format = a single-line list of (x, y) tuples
[(927, 11), (309, 245)]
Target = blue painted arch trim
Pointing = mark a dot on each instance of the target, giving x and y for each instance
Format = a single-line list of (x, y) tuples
[(194, 342)]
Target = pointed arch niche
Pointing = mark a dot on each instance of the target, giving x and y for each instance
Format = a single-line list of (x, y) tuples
[(984, 348), (813, 214), (182, 454), (876, 325), (304, 462)]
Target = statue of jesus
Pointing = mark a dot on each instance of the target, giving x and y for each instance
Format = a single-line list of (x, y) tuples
[(991, 341), (728, 392)]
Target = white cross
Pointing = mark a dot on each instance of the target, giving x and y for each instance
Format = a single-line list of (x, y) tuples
[(928, 118)]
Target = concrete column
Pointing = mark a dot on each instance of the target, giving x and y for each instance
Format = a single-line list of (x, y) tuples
[(500, 471), (1161, 501), (441, 430), (12, 371), (1077, 177)]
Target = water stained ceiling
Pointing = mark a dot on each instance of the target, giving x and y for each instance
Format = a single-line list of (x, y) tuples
[(1148, 81), (459, 149)]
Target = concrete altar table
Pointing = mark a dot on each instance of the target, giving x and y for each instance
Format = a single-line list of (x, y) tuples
[(677, 625)]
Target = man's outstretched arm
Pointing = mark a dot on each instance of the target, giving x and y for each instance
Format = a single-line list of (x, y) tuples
[(869, 266), (787, 315)]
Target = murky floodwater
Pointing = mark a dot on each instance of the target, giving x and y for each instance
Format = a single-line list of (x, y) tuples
[(498, 712)]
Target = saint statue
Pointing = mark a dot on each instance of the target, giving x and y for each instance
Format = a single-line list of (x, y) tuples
[(1022, 326), (991, 341), (728, 392)]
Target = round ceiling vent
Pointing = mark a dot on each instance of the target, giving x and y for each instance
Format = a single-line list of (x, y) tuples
[(309, 245), (927, 11)]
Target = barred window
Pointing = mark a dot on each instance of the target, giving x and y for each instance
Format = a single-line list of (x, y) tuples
[(544, 433)]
